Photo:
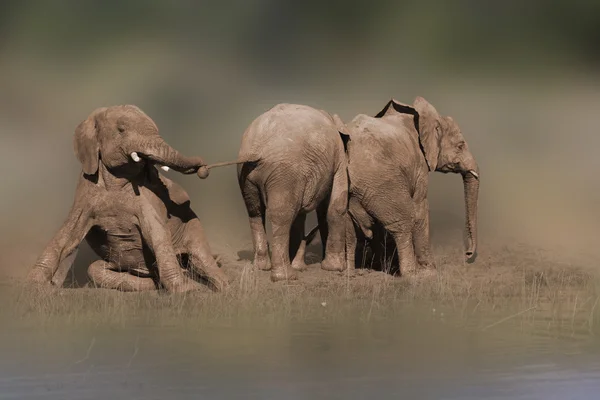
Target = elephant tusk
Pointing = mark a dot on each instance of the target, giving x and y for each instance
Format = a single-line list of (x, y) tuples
[(475, 174), (135, 157), (164, 167)]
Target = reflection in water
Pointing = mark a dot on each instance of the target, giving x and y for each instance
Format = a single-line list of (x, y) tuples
[(413, 355)]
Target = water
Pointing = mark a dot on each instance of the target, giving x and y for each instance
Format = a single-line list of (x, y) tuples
[(417, 354)]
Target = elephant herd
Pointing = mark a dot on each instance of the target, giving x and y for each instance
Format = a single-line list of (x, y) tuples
[(368, 175)]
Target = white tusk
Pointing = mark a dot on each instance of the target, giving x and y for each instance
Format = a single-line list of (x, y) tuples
[(475, 174), (164, 167), (135, 157)]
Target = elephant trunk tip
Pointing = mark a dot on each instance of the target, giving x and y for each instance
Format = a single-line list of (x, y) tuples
[(203, 172), (470, 256)]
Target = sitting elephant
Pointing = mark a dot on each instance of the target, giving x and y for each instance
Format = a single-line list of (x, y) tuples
[(300, 166), (389, 160), (137, 221)]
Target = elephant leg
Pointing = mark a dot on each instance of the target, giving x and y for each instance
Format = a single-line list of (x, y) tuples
[(282, 213), (322, 221), (360, 216), (298, 242), (421, 238), (105, 275), (351, 241), (335, 248), (203, 263), (402, 233), (256, 213), (157, 236)]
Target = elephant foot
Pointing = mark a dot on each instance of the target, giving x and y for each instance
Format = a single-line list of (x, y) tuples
[(40, 276), (427, 264), (427, 273), (219, 282), (283, 274), (183, 286), (349, 273), (299, 266), (410, 270), (262, 263), (336, 264)]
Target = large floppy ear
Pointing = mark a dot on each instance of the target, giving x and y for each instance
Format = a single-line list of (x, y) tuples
[(430, 130), (385, 109), (393, 107), (86, 144)]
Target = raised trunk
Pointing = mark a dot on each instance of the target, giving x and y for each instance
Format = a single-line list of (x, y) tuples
[(161, 153), (471, 187)]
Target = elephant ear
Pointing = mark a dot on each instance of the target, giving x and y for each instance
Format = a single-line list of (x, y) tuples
[(393, 106), (86, 144), (428, 121), (343, 131)]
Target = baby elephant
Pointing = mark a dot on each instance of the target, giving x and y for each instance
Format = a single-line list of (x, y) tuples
[(300, 166), (137, 221)]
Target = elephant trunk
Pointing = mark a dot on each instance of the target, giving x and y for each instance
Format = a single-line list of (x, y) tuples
[(159, 152), (471, 188)]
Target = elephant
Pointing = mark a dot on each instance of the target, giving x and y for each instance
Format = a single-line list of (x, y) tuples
[(389, 160), (298, 165), (137, 221)]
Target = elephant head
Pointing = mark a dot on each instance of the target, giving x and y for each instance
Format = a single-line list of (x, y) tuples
[(445, 150), (123, 138)]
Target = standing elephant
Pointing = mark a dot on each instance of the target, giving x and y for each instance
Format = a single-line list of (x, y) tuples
[(300, 165), (137, 221), (389, 160)]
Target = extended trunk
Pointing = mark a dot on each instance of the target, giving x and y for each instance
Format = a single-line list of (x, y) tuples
[(471, 187), (161, 153)]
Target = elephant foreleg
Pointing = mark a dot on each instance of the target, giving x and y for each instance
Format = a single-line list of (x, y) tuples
[(335, 247), (62, 245), (402, 233), (106, 276), (202, 261), (421, 238)]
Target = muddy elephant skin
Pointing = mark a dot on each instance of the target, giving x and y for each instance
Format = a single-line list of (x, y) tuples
[(136, 220)]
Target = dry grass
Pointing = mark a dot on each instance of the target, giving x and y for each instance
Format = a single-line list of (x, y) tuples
[(511, 284)]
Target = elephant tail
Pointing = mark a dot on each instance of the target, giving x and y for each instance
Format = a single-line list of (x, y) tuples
[(204, 170), (311, 235)]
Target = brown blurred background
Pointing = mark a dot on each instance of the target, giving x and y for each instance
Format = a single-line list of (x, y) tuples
[(520, 78)]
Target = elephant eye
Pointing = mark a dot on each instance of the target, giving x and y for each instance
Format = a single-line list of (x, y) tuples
[(121, 129), (461, 146)]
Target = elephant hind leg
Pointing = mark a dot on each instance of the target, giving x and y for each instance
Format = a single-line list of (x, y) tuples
[(203, 263), (322, 221), (105, 275), (335, 247), (256, 212), (298, 242), (282, 210)]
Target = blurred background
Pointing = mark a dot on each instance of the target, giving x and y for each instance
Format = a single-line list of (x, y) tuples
[(521, 78)]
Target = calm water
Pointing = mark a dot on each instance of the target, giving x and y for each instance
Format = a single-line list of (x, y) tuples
[(418, 354)]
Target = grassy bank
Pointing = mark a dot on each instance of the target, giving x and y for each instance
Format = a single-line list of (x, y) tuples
[(508, 285)]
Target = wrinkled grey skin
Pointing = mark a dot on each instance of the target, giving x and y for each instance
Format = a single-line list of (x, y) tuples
[(389, 160), (137, 221), (300, 166)]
